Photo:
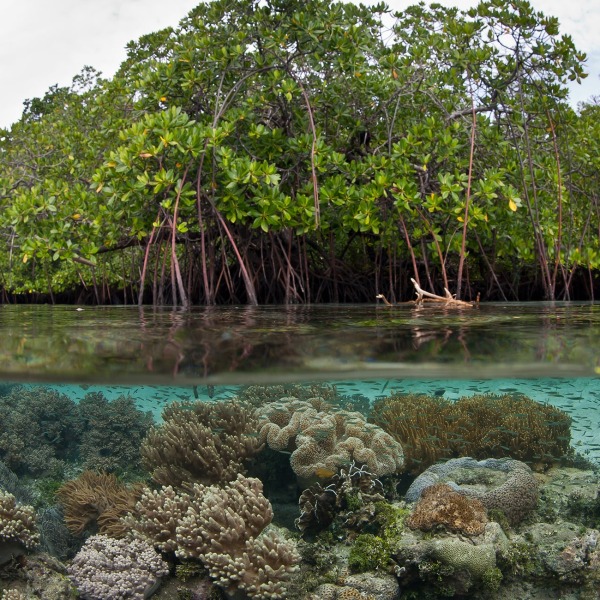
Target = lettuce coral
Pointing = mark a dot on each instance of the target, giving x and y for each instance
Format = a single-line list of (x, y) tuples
[(323, 439)]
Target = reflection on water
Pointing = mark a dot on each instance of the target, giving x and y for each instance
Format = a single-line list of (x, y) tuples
[(266, 344)]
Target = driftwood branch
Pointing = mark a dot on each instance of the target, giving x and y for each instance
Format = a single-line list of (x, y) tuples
[(448, 299)]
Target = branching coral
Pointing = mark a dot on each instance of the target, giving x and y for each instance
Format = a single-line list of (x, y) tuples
[(17, 527), (440, 505), (97, 501), (39, 430), (480, 426), (112, 432), (323, 439), (223, 527), (116, 569), (200, 442)]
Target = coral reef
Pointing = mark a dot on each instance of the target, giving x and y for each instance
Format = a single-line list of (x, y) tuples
[(42, 430), (480, 426), (39, 430), (351, 495), (96, 502), (17, 528), (112, 432), (322, 439), (503, 484), (117, 569), (200, 442), (223, 527), (55, 537), (440, 505)]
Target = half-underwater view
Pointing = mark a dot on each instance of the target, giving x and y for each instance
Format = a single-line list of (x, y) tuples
[(301, 452), (299, 300)]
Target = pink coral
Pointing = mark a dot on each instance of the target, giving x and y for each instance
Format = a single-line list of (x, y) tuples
[(117, 569)]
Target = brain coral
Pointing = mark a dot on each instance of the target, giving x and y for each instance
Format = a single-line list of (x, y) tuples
[(504, 484), (439, 504), (323, 439)]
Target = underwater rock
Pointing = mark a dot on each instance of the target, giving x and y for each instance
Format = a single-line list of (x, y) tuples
[(46, 578), (503, 484)]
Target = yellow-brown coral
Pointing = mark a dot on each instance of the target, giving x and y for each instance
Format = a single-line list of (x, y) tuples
[(200, 442), (97, 501), (440, 505), (17, 523), (323, 439), (481, 426)]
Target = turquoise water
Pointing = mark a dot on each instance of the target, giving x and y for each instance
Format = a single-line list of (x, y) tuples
[(83, 389)]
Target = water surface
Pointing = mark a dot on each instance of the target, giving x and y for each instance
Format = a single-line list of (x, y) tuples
[(267, 344)]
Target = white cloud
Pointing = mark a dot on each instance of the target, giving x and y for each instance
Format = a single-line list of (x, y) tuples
[(46, 42)]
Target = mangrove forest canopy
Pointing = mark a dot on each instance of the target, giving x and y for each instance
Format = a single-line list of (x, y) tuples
[(294, 151)]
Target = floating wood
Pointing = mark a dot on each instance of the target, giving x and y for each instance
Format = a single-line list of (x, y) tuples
[(448, 299)]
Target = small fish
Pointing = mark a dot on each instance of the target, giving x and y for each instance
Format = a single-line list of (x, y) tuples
[(324, 473)]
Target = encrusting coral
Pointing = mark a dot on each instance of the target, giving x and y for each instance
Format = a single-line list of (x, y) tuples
[(222, 527), (481, 426), (323, 439), (117, 569), (200, 442), (499, 484), (17, 527), (440, 505), (97, 501)]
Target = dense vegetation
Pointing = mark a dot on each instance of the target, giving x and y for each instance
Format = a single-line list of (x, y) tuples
[(308, 151)]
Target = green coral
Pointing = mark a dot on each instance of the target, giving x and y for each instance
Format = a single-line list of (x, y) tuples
[(492, 579), (369, 553), (390, 519), (520, 559), (462, 556)]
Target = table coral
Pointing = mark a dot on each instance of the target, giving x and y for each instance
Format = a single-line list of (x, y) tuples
[(116, 569), (322, 439), (200, 442), (17, 527), (440, 505)]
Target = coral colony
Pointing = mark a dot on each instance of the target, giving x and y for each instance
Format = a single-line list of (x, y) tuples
[(286, 492)]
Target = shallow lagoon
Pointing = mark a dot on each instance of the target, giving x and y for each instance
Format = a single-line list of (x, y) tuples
[(359, 355)]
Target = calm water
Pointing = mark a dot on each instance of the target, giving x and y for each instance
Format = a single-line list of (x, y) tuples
[(359, 354), (225, 345)]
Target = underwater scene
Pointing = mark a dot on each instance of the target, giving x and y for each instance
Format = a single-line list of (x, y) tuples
[(300, 453)]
